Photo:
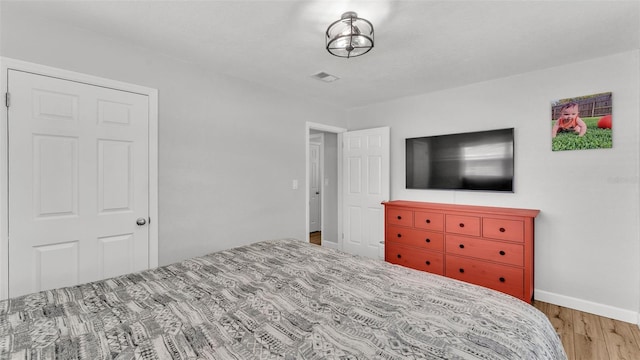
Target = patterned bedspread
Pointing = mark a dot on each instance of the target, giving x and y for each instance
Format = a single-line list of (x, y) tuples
[(277, 299)]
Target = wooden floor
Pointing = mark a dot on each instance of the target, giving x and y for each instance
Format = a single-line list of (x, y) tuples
[(315, 238), (586, 336)]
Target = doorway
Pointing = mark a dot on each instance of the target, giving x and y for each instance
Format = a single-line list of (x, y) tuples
[(316, 182), (362, 184), (323, 188)]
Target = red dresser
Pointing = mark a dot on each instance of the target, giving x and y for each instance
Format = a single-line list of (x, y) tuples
[(488, 246)]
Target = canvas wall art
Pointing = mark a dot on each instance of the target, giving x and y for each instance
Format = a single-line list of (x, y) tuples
[(582, 122)]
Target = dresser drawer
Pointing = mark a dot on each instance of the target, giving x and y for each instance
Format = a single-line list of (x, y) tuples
[(461, 224), (400, 217), (428, 220), (503, 229), (507, 253), (424, 260), (503, 278), (419, 238)]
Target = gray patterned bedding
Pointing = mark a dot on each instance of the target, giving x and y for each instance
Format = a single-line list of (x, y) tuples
[(278, 299)]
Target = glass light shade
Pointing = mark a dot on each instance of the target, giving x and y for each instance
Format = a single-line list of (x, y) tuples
[(350, 36)]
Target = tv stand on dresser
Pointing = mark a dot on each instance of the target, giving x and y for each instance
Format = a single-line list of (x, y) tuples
[(487, 246)]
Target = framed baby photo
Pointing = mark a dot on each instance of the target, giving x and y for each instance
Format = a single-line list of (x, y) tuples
[(581, 123)]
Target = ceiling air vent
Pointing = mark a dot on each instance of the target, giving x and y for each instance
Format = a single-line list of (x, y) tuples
[(323, 76)]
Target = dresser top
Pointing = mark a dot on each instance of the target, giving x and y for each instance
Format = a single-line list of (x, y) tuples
[(419, 205)]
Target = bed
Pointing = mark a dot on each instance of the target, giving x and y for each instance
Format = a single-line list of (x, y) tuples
[(276, 299)]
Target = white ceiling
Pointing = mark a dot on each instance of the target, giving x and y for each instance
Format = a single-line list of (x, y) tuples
[(420, 46)]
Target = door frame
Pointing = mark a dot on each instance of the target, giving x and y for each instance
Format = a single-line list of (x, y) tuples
[(330, 129), (7, 64)]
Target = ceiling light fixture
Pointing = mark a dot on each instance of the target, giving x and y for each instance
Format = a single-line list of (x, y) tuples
[(350, 36)]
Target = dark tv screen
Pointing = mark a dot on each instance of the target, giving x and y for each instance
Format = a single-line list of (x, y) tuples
[(468, 161)]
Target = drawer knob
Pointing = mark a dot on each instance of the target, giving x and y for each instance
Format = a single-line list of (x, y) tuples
[(428, 262), (502, 279), (428, 221), (502, 252), (399, 235), (502, 230), (399, 217), (461, 224), (461, 246), (399, 256), (427, 240), (461, 270)]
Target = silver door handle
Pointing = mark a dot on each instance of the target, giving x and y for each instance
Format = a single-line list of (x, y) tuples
[(141, 221)]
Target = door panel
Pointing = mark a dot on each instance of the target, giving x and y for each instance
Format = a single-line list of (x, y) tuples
[(373, 227), (110, 112), (115, 188), (55, 176), (354, 176), (375, 175), (56, 265), (50, 105), (354, 230), (366, 186), (78, 180), (115, 253)]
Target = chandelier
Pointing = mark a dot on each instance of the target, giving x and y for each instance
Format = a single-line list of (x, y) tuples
[(350, 36)]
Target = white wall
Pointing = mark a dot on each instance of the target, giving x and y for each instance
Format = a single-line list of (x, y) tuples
[(587, 250), (228, 149)]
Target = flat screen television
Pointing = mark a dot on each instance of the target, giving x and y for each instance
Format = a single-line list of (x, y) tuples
[(480, 160)]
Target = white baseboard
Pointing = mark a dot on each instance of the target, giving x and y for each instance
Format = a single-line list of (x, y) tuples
[(588, 306)]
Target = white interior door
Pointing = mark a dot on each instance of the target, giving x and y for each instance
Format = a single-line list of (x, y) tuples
[(78, 182), (314, 187), (365, 161)]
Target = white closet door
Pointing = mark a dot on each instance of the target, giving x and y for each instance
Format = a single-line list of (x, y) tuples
[(365, 161), (78, 182)]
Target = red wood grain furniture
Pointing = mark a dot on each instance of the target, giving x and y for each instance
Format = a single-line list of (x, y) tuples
[(487, 246)]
